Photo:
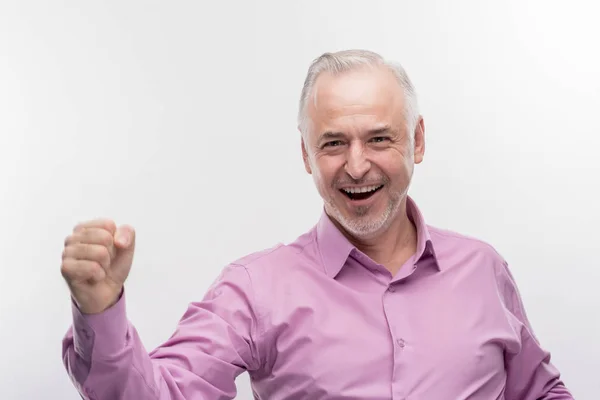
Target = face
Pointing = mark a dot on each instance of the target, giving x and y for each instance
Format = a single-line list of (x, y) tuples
[(358, 148)]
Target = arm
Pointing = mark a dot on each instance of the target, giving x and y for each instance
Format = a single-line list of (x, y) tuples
[(214, 342), (530, 373)]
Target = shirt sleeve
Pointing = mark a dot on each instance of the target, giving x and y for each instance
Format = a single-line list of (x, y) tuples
[(530, 372), (214, 342)]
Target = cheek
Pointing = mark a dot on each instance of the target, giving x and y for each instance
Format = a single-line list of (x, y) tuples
[(325, 170), (398, 170)]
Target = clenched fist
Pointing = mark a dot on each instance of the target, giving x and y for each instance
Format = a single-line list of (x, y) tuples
[(96, 261)]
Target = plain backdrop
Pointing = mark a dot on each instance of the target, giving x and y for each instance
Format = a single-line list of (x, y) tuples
[(179, 118)]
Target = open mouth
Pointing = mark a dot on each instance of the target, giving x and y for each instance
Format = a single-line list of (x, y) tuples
[(361, 193)]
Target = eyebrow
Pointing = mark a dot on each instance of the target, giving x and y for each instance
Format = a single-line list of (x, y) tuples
[(378, 131), (329, 135), (332, 135)]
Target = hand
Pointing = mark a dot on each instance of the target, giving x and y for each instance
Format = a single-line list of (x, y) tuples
[(96, 261)]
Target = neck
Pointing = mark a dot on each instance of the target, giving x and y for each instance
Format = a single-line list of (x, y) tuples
[(393, 246)]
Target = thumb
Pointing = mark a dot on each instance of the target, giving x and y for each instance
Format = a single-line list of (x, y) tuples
[(125, 237)]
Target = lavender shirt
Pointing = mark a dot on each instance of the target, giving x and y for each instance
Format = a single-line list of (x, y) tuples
[(317, 319)]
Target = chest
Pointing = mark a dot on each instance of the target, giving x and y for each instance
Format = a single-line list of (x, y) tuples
[(382, 344)]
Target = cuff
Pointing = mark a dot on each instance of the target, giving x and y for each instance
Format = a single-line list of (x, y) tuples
[(104, 334)]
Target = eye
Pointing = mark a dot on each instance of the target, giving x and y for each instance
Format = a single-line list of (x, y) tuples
[(379, 139), (333, 143)]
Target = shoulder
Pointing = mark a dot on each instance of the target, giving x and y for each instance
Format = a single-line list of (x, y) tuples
[(457, 250), (264, 275), (278, 258), (455, 246), (445, 238), (264, 267)]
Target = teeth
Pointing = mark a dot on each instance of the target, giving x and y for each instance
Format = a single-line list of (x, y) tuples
[(362, 189)]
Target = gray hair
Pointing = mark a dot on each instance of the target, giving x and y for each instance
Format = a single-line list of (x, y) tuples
[(346, 60)]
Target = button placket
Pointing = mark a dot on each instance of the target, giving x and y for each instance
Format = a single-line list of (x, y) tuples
[(393, 297)]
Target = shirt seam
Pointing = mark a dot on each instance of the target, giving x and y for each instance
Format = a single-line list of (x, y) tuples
[(502, 300), (154, 390), (316, 243), (255, 305), (466, 238)]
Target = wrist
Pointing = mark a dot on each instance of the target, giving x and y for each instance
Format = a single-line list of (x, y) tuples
[(89, 305)]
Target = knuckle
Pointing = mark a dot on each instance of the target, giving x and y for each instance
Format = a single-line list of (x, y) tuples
[(96, 272), (70, 239), (105, 224), (77, 251), (111, 225), (106, 239), (97, 267), (88, 251), (83, 251), (79, 227), (67, 268), (104, 256), (67, 252), (101, 223), (88, 236)]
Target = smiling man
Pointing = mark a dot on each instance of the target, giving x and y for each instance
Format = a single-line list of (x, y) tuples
[(362, 136), (372, 303)]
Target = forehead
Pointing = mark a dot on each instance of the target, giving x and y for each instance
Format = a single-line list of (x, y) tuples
[(355, 99)]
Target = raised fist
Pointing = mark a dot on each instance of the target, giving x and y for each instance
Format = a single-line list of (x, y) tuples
[(96, 261)]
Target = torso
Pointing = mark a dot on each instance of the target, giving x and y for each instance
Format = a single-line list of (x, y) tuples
[(434, 335)]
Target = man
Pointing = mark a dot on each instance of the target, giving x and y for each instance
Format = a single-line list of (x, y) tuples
[(372, 303)]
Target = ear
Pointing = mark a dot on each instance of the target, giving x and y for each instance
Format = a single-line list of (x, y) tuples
[(305, 157), (419, 141)]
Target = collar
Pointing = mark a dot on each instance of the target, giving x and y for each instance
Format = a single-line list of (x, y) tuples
[(335, 247)]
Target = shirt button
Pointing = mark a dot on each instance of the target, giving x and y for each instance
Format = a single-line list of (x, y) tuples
[(400, 342), (391, 289)]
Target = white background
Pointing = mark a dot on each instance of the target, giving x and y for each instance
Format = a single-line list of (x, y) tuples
[(179, 118)]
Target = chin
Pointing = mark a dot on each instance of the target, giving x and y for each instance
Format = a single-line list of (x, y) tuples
[(364, 224)]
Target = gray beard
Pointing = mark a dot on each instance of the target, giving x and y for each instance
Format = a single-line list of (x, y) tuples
[(359, 225)]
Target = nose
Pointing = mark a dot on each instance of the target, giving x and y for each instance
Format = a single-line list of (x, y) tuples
[(357, 163)]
